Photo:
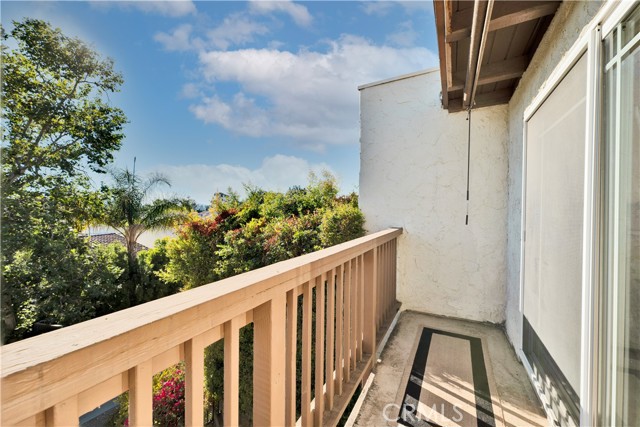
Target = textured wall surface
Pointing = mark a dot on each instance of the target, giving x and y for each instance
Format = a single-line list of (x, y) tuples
[(565, 29), (413, 171)]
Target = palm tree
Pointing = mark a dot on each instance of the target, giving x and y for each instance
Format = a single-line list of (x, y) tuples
[(129, 211)]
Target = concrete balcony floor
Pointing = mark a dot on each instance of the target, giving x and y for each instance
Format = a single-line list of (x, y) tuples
[(437, 371)]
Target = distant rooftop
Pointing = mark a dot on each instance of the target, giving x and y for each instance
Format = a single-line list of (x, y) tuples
[(108, 238)]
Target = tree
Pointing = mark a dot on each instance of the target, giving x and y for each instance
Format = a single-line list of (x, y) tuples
[(56, 127), (128, 210), (54, 116)]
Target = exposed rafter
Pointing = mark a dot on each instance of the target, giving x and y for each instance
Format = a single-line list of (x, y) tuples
[(479, 64), (505, 14), (438, 6), (495, 72)]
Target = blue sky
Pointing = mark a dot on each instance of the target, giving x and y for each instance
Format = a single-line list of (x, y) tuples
[(224, 93)]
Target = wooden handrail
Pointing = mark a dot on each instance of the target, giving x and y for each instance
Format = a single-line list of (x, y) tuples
[(53, 378)]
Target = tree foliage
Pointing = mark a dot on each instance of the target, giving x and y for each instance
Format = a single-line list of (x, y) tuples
[(55, 119), (56, 126), (265, 227)]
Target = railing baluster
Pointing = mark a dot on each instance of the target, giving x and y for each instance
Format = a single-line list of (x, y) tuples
[(329, 358), (64, 414), (38, 420), (353, 323), (370, 270), (380, 300), (390, 275), (376, 287), (360, 315), (140, 395), (231, 370), (383, 289), (194, 381), (387, 306), (291, 352), (319, 386), (381, 283), (394, 267), (347, 329), (305, 408), (343, 279), (269, 366)]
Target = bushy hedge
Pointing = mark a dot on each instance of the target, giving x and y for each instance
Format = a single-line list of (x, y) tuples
[(265, 227)]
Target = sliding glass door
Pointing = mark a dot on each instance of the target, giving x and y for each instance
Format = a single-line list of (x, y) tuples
[(620, 376)]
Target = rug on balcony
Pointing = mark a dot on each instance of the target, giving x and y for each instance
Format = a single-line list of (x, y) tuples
[(447, 383)]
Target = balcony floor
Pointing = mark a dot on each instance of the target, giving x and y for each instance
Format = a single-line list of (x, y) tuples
[(442, 369)]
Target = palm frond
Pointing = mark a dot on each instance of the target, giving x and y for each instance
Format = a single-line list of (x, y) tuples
[(165, 213)]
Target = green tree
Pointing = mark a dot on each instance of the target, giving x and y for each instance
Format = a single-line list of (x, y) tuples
[(56, 127), (129, 210), (54, 118), (151, 263)]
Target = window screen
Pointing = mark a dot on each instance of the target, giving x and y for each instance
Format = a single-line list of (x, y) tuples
[(554, 219)]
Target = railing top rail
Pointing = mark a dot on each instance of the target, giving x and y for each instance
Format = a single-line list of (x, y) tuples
[(62, 363)]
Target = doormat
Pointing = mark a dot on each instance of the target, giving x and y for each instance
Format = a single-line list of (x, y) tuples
[(447, 384)]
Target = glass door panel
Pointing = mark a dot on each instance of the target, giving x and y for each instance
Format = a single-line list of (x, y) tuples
[(621, 405)]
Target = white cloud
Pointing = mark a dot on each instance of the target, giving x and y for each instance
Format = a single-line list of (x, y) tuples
[(379, 8), (310, 97), (179, 39), (411, 6), (236, 29), (383, 7), (405, 36), (299, 13), (277, 173), (190, 91), (172, 8)]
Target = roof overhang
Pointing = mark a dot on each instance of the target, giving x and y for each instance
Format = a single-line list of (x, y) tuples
[(485, 46)]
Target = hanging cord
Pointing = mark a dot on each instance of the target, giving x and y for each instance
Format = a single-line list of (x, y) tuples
[(466, 221)]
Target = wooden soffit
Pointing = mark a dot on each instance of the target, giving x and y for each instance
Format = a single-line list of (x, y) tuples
[(485, 46)]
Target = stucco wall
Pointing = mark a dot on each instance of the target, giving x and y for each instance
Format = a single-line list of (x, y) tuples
[(413, 171), (569, 22)]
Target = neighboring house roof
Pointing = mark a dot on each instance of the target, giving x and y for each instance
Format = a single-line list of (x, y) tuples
[(108, 238), (204, 214)]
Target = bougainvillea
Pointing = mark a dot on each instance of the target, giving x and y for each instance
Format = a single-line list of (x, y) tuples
[(168, 401)]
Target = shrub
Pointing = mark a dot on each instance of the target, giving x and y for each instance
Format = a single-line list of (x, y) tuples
[(340, 224), (168, 397)]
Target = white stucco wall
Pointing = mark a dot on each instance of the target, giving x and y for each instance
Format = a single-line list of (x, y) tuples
[(413, 171), (569, 21)]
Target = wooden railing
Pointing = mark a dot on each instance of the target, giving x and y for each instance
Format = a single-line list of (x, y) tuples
[(54, 378)]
